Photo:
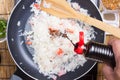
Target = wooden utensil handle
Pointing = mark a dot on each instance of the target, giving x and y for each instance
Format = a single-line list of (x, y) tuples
[(99, 24)]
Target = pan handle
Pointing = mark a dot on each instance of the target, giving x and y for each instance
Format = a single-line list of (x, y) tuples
[(15, 77)]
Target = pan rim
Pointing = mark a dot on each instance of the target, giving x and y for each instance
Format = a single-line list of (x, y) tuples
[(9, 46), (25, 71)]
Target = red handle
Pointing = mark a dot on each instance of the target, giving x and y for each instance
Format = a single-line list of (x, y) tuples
[(81, 38), (78, 48)]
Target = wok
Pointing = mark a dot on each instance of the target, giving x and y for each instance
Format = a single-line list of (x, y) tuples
[(22, 54)]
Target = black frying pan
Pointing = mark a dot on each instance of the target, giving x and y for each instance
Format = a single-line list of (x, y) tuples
[(22, 54)]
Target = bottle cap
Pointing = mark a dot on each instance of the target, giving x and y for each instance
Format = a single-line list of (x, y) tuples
[(78, 47)]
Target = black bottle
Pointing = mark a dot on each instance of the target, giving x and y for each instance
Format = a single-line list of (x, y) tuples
[(99, 52)]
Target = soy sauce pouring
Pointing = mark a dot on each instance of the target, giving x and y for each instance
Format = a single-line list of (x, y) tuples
[(93, 50)]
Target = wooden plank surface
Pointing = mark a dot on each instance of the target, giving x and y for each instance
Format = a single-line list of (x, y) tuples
[(6, 6), (7, 66)]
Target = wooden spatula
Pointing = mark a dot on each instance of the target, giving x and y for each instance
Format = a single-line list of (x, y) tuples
[(62, 9)]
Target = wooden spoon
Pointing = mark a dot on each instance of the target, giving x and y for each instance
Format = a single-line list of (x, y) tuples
[(62, 9)]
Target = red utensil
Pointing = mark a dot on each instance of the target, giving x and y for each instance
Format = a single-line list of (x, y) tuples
[(78, 47)]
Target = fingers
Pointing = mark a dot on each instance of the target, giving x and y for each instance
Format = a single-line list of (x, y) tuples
[(108, 72), (116, 49)]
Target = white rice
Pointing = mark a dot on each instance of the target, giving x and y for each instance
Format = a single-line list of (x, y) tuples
[(49, 62)]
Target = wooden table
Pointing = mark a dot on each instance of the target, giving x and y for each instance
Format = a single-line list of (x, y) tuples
[(7, 65)]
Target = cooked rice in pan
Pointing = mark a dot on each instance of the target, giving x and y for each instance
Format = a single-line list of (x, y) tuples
[(54, 54)]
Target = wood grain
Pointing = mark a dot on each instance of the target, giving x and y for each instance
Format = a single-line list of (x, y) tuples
[(6, 6), (7, 66)]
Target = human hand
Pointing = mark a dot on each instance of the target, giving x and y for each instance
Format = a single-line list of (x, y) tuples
[(109, 73)]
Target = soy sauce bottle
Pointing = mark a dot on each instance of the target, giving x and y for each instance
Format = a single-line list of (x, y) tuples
[(99, 52)]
